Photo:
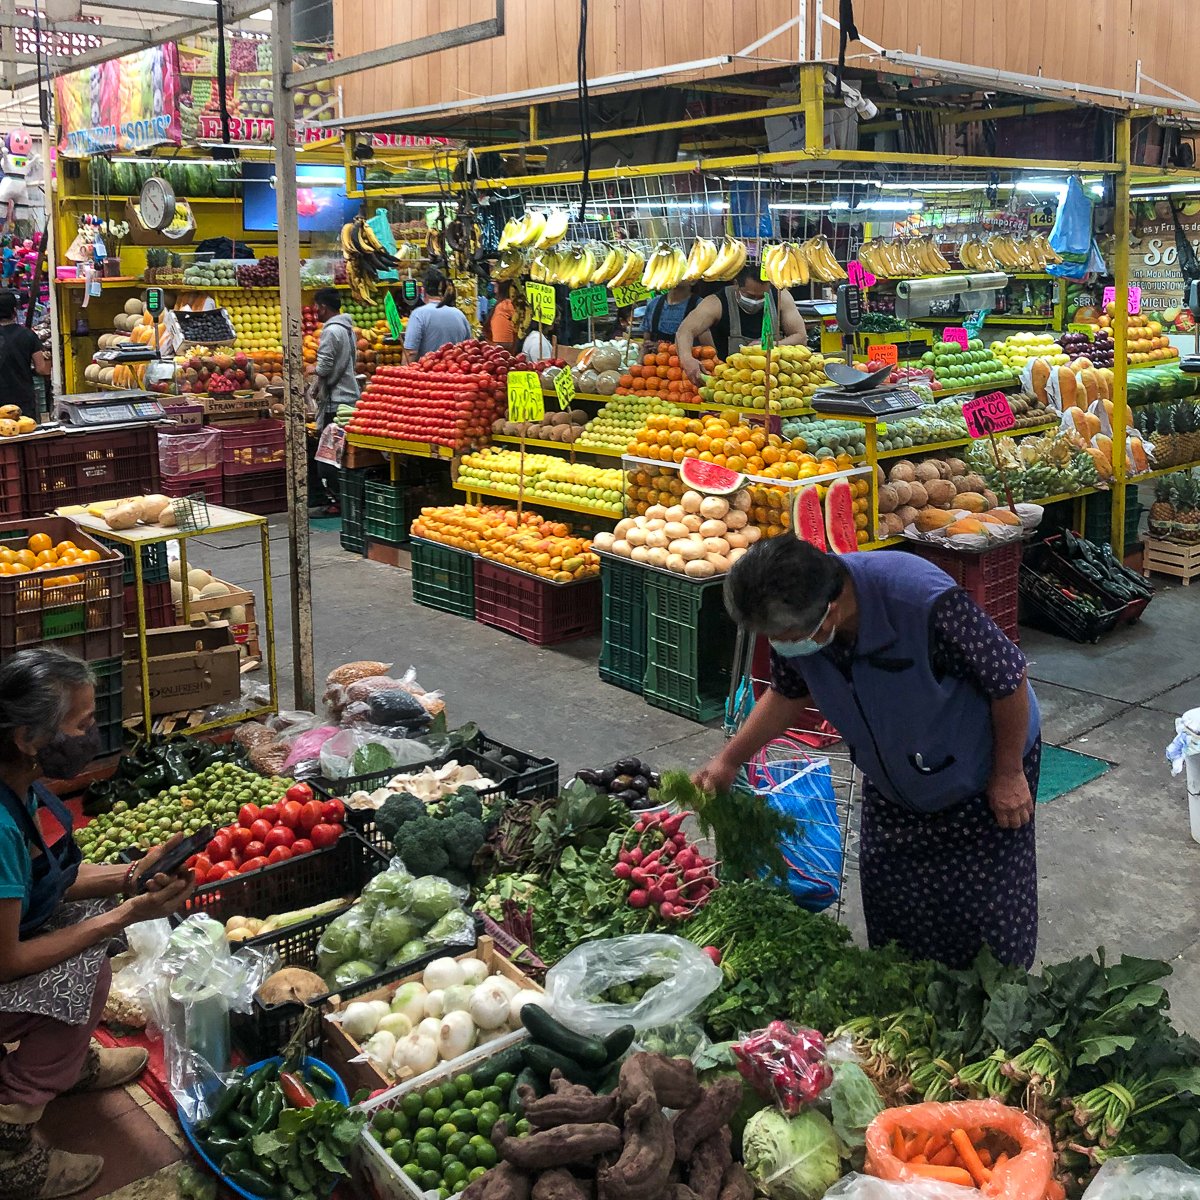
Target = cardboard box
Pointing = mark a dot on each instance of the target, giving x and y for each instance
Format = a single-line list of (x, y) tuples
[(189, 668)]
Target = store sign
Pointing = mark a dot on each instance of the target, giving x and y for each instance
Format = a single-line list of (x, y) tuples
[(630, 294), (956, 333), (127, 104), (1135, 298), (988, 414), (564, 388), (541, 302), (588, 302), (1154, 259), (525, 399), (886, 354)]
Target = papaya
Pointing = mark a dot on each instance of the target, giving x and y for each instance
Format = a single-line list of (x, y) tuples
[(1001, 516), (929, 519), (1068, 388), (973, 502), (1040, 378), (967, 525)]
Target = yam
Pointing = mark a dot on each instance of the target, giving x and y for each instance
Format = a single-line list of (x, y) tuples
[(166, 515), (993, 501), (970, 483), (122, 516), (918, 495), (903, 470), (890, 524), (927, 470), (903, 492), (943, 467), (889, 501), (940, 492), (973, 502), (907, 515), (929, 519)]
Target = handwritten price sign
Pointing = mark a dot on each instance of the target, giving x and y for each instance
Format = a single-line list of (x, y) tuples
[(525, 399), (629, 295), (564, 388), (858, 275), (955, 333), (886, 354), (589, 302), (1135, 298), (988, 414), (541, 301)]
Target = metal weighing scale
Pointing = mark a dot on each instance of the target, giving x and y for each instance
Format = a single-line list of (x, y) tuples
[(89, 410)]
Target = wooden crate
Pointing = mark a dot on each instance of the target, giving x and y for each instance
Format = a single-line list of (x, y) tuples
[(1166, 557), (340, 1048)]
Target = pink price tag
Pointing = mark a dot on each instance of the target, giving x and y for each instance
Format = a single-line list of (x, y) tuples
[(858, 275), (988, 414), (955, 333), (1135, 298), (886, 354)]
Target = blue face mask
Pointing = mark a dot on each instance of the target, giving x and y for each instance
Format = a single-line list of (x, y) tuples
[(806, 646)]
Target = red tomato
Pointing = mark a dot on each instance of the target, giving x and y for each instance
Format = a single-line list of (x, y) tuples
[(333, 811), (254, 849), (248, 814), (281, 835), (252, 864), (271, 813), (219, 847), (289, 814), (242, 837), (325, 835), (220, 871), (199, 877), (310, 814), (260, 829), (300, 792), (191, 862), (201, 864), (301, 846), (279, 854)]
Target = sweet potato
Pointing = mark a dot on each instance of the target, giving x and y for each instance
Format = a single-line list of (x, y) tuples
[(560, 1184), (503, 1182), (672, 1080), (567, 1104), (707, 1166), (647, 1156), (707, 1116), (737, 1184), (563, 1146)]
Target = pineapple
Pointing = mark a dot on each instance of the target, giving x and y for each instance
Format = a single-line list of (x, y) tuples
[(1164, 440), (1162, 511), (1187, 510), (1191, 432)]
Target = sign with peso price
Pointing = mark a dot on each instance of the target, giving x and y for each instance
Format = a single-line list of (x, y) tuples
[(988, 414), (564, 387), (525, 399), (541, 302), (589, 302), (630, 294)]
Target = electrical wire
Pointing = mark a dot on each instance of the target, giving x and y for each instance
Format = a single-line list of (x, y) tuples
[(585, 117), (222, 99)]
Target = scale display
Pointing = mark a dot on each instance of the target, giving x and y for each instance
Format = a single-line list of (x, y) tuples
[(116, 408), (880, 403)]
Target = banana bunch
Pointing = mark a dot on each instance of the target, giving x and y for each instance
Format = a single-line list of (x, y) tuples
[(509, 264), (535, 228), (614, 262), (554, 228), (976, 255), (579, 267), (1048, 253), (731, 254), (702, 256), (365, 258), (664, 268), (785, 265), (631, 268), (822, 264), (1031, 253)]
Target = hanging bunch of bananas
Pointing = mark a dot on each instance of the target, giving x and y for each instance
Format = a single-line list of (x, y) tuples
[(902, 258), (664, 268), (731, 256), (576, 266), (630, 270), (612, 263), (976, 255), (823, 266), (785, 265), (1031, 253), (535, 229), (365, 258), (703, 255), (509, 264)]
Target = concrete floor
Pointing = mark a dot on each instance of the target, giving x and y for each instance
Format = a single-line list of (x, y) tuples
[(1117, 866)]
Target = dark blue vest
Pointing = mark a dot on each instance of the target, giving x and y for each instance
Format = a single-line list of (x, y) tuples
[(924, 742)]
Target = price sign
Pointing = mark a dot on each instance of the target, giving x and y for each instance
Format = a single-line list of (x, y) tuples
[(392, 316), (988, 414), (525, 399), (589, 302), (885, 354), (1135, 298), (1087, 330), (630, 294), (564, 388), (858, 275), (541, 301), (955, 333)]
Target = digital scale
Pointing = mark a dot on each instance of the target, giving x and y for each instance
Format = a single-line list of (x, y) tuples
[(91, 411), (858, 394)]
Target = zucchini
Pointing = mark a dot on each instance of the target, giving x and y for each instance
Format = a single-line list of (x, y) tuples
[(617, 1042), (511, 1061), (527, 1078), (542, 1060), (544, 1029)]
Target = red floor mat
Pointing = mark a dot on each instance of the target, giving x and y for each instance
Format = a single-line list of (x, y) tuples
[(153, 1079)]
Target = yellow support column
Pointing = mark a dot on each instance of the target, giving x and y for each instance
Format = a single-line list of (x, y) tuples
[(812, 97), (1120, 335)]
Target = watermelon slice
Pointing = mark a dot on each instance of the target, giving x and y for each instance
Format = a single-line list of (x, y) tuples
[(840, 529), (807, 519), (709, 478)]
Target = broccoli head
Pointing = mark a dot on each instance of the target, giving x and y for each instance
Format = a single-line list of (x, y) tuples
[(397, 810), (465, 800), (419, 844), (462, 835), (457, 878)]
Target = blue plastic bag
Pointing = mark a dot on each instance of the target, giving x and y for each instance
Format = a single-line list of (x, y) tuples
[(1071, 237)]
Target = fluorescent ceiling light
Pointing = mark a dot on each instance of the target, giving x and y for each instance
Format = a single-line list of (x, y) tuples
[(891, 206), (801, 207), (1166, 189), (932, 185), (1042, 187)]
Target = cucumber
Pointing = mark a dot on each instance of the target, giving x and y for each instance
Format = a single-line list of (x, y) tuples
[(511, 1060), (542, 1060), (544, 1029), (617, 1042), (527, 1078)]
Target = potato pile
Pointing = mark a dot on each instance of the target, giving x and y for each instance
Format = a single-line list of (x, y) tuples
[(937, 494), (555, 427)]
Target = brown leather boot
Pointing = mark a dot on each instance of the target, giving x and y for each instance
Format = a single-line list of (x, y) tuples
[(31, 1170), (109, 1066)]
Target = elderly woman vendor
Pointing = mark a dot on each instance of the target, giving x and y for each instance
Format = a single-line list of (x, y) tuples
[(57, 918), (932, 700)]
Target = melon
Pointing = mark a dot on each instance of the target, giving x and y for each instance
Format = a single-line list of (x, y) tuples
[(640, 554), (736, 519), (692, 522), (676, 562), (690, 502), (840, 531), (807, 519), (713, 508), (709, 478), (656, 512), (603, 541)]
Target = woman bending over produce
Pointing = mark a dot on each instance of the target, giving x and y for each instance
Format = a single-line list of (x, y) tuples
[(933, 702), (56, 922)]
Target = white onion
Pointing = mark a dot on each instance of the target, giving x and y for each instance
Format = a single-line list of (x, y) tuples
[(457, 1035), (489, 1004), (414, 1055), (474, 969), (443, 973)]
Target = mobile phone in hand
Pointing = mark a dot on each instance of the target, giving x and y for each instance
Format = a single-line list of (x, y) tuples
[(175, 858)]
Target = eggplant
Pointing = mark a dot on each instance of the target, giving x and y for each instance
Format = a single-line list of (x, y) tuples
[(604, 778), (655, 779), (589, 777), (622, 782), (630, 797), (640, 784), (641, 803), (628, 766)]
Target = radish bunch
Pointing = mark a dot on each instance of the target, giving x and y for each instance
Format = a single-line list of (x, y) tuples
[(786, 1063), (664, 870)]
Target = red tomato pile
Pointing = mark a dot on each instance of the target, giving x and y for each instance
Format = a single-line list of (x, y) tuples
[(299, 824), (449, 397)]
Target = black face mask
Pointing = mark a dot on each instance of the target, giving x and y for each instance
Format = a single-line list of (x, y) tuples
[(64, 756)]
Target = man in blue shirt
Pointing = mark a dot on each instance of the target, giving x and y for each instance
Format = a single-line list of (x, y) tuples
[(435, 323)]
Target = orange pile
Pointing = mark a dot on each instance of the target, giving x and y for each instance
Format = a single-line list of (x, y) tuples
[(466, 526), (553, 556), (723, 441), (659, 373), (41, 554)]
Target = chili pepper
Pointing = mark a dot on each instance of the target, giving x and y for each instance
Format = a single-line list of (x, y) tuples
[(229, 1097), (318, 1074), (295, 1091), (237, 1160), (268, 1105), (263, 1076), (218, 1147), (240, 1122), (252, 1181)]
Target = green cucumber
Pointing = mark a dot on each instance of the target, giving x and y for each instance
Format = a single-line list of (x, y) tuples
[(510, 1061), (544, 1029), (542, 1060), (527, 1078), (617, 1042)]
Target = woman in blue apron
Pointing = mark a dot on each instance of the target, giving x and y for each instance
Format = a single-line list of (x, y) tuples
[(933, 702), (664, 314), (58, 916)]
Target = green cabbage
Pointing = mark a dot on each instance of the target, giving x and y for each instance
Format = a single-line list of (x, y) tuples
[(408, 952), (853, 1102), (455, 926), (430, 898), (392, 889), (353, 972), (390, 929), (791, 1159), (341, 941)]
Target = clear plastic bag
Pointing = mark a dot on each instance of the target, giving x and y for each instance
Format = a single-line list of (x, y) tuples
[(307, 747), (341, 758), (679, 1039), (1145, 1177), (348, 672), (394, 707), (687, 977), (785, 1063), (868, 1187), (134, 971)]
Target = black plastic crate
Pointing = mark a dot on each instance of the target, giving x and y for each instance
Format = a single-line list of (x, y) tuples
[(261, 493), (1046, 606), (534, 776), (351, 492)]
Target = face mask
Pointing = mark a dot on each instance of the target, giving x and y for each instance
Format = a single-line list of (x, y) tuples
[(805, 646), (752, 305), (64, 756)]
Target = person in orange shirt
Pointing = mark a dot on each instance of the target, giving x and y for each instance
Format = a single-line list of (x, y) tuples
[(502, 330)]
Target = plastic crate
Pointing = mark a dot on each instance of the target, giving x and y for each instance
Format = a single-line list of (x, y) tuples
[(12, 502), (1052, 551), (534, 776), (1097, 523), (252, 448), (443, 578), (159, 607), (154, 560), (1044, 605), (534, 609), (189, 452), (109, 673), (384, 512), (86, 619), (351, 489), (689, 646), (262, 493), (85, 467), (989, 577), (623, 623), (208, 483)]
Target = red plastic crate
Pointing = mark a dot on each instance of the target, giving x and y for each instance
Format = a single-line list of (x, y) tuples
[(11, 501), (82, 468), (86, 619), (160, 608), (989, 578), (262, 493), (189, 452), (253, 448), (208, 482), (533, 608)]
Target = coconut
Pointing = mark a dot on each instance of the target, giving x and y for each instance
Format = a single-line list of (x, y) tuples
[(918, 497), (903, 490), (927, 470), (713, 507), (889, 501), (940, 492), (903, 470), (691, 501), (907, 515)]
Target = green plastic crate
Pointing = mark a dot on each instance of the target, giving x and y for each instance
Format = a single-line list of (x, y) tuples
[(384, 510), (351, 488), (623, 624), (1098, 517), (154, 560), (109, 673), (689, 646), (443, 578)]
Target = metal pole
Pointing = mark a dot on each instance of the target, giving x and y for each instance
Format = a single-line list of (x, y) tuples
[(303, 672), (1120, 335)]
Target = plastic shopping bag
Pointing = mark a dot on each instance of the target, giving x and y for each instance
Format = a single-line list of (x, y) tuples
[(1071, 237), (1142, 1175)]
